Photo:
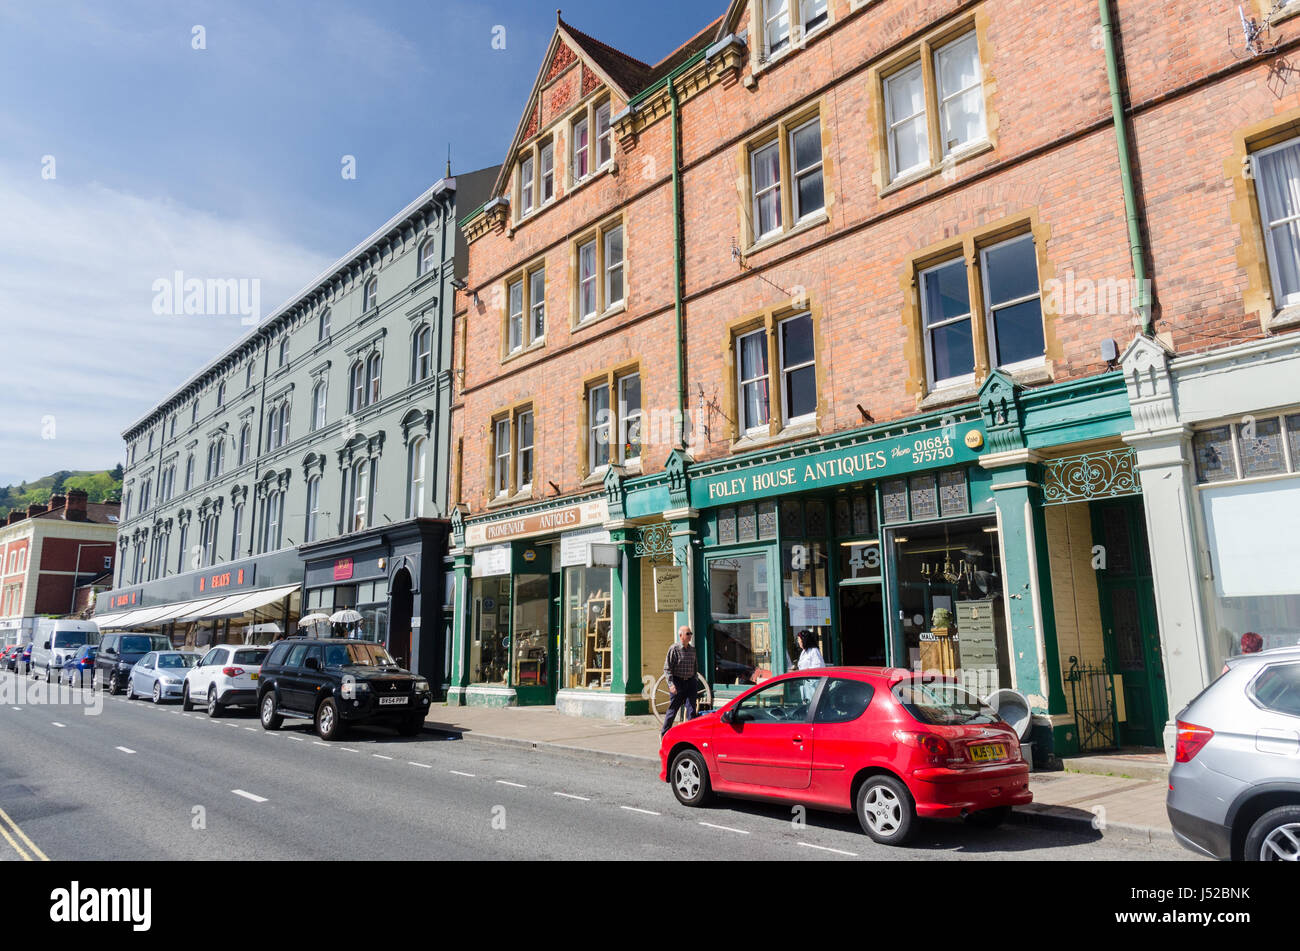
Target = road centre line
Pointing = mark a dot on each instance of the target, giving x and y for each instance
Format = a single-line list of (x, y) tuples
[(565, 795), (710, 825), (125, 750), (62, 726), (644, 811), (248, 795), (456, 772), (505, 782), (412, 762), (823, 848), (380, 756)]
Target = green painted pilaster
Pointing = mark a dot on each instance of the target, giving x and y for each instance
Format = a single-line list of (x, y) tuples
[(460, 628), (626, 614)]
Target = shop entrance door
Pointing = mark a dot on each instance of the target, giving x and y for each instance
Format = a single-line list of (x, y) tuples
[(1128, 617), (862, 625), (534, 634)]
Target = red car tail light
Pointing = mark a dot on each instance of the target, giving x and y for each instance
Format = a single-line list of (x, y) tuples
[(232, 671), (1191, 739), (936, 749)]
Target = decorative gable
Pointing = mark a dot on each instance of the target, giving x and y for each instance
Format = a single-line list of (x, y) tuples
[(562, 60), (534, 122), (590, 81)]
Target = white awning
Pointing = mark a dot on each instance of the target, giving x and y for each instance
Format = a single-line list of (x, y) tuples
[(200, 609)]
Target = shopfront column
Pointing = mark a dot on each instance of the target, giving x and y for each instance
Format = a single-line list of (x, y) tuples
[(626, 641), (458, 676), (1017, 493)]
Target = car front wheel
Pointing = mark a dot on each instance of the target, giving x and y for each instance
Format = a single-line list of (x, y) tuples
[(328, 725), (270, 719), (186, 704), (689, 778), (114, 687), (885, 810), (1275, 836)]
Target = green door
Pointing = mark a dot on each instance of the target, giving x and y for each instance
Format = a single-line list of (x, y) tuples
[(534, 633), (1128, 618)]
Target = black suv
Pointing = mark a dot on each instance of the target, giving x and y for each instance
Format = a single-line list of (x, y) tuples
[(338, 683), (118, 653)]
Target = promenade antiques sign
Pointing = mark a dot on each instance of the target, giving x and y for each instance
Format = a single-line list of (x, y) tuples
[(549, 522), (862, 463)]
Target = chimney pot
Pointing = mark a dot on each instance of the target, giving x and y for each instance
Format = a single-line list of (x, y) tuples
[(75, 510), (36, 509)]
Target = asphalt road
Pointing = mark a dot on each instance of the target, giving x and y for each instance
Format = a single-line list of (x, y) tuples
[(133, 781)]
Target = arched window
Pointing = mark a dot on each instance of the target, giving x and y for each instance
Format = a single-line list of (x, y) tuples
[(427, 259), (370, 295), (324, 329), (422, 353), (356, 387), (359, 496), (313, 509), (273, 510), (318, 406), (245, 432), (415, 477), (284, 423), (272, 427), (372, 378), (237, 540), (189, 472), (221, 393)]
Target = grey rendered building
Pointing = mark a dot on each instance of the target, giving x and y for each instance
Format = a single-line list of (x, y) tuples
[(305, 469)]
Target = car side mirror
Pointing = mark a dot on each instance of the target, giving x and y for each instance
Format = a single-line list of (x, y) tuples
[(45, 646), (728, 716), (313, 663)]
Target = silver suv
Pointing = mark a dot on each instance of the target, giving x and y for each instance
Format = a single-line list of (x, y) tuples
[(1234, 790)]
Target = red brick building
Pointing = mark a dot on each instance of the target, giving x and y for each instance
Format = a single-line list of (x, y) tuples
[(48, 552), (883, 258)]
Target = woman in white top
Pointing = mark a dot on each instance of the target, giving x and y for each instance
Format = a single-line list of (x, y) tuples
[(809, 655)]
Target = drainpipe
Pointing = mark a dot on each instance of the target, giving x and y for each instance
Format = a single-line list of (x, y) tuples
[(1136, 248), (679, 276)]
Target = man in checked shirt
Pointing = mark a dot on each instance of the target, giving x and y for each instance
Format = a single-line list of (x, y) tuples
[(680, 669)]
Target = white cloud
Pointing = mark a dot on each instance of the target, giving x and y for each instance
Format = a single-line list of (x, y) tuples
[(81, 341)]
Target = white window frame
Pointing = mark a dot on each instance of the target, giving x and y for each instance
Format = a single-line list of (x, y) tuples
[(764, 377), (536, 305), (527, 185), (514, 318), (588, 285), (759, 194), (415, 477), (1269, 223), (619, 266), (501, 430), (595, 426), (627, 416), (799, 173), (374, 378), (580, 153), (943, 98), (313, 509), (894, 123), (546, 172), (320, 403), (604, 139), (422, 353), (926, 330), (357, 386), (284, 351), (359, 496), (427, 259), (323, 329), (522, 450), (995, 358), (784, 371), (773, 11), (237, 537), (370, 295)]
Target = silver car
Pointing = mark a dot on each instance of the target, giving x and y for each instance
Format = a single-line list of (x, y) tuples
[(160, 675), (1234, 790)]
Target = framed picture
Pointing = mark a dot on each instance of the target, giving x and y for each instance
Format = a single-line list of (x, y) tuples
[(487, 624), (503, 587)]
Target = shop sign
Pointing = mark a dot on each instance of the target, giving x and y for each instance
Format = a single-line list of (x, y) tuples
[(540, 523), (810, 612), (343, 569), (216, 581), (124, 599), (575, 547), (876, 460), (669, 591), (490, 562)]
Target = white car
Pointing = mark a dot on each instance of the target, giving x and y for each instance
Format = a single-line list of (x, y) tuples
[(225, 677)]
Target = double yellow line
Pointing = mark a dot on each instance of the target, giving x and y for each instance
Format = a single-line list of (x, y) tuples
[(31, 853)]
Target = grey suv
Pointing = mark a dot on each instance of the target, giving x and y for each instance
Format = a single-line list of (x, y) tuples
[(1234, 790)]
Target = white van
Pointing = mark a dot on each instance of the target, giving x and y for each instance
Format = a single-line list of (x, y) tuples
[(56, 640)]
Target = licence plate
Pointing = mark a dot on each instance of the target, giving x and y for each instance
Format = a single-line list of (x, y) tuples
[(991, 751), (254, 676), (393, 701)]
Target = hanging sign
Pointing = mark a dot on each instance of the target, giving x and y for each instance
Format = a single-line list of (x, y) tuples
[(575, 546), (669, 593), (492, 561)]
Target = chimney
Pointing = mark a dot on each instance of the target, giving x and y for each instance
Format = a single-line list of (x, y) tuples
[(75, 511), (57, 502), (17, 515), (36, 509)]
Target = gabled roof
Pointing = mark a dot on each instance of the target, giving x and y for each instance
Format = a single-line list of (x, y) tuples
[(729, 19), (622, 73)]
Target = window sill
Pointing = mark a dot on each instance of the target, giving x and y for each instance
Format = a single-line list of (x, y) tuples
[(947, 395), (762, 65), (538, 344), (746, 443), (1287, 317), (807, 224), (965, 153), (505, 501), (619, 308)]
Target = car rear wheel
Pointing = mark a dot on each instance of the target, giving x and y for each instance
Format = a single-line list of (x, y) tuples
[(270, 719), (689, 778), (885, 810), (1275, 836), (186, 704), (989, 818), (328, 725), (214, 705), (114, 687)]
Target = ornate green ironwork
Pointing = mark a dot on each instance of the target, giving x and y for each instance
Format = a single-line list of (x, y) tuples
[(1096, 475), (656, 541)]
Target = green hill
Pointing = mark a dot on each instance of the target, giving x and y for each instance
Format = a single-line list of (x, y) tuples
[(101, 486)]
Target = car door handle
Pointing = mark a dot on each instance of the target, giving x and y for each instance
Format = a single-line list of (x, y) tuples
[(796, 739)]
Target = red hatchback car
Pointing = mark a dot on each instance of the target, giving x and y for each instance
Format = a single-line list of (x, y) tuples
[(891, 745)]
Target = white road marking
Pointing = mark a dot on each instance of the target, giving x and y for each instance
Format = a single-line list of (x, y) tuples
[(60, 725), (645, 811), (809, 845), (348, 749), (19, 709), (565, 795), (456, 772), (248, 795), (298, 738), (710, 825), (250, 729), (411, 762), (503, 782), (125, 750), (380, 756), (318, 743)]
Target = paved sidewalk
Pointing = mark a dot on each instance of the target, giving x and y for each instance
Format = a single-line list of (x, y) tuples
[(1127, 807)]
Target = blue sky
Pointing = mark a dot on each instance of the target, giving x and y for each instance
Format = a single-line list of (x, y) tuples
[(126, 154)]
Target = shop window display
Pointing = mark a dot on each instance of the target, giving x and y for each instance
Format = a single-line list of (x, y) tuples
[(589, 647), (491, 629), (530, 630), (954, 567), (741, 628), (805, 588)]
